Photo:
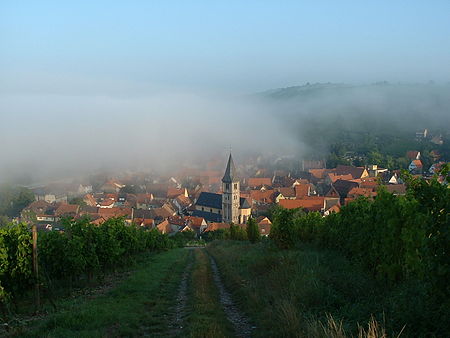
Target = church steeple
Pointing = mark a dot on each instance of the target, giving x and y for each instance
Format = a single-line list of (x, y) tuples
[(230, 175), (230, 194)]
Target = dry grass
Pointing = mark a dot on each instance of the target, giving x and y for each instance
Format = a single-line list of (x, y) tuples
[(299, 293)]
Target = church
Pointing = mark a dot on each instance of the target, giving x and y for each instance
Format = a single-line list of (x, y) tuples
[(228, 207)]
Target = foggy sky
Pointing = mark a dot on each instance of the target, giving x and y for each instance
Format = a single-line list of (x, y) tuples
[(89, 85)]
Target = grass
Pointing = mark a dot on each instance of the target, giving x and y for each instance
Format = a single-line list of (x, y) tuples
[(305, 292), (140, 305), (206, 317)]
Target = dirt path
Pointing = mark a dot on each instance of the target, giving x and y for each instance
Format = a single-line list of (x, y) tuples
[(179, 313), (240, 322)]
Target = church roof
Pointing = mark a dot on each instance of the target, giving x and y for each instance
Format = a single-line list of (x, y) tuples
[(244, 203), (230, 173), (210, 200), (208, 216)]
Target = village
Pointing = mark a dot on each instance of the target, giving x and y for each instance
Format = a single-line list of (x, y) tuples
[(211, 198)]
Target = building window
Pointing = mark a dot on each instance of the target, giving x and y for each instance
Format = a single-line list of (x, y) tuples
[(227, 186), (235, 186)]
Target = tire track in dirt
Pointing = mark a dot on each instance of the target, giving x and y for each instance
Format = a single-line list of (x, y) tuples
[(241, 324), (179, 311)]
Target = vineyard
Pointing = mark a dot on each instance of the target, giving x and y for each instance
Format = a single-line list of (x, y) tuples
[(82, 251), (402, 241)]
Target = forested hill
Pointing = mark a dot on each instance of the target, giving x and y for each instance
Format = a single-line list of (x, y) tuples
[(361, 118)]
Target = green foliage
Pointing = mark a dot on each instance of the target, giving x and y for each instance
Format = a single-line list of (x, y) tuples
[(14, 199), (237, 233), (398, 239), (15, 260), (253, 231), (77, 200), (83, 249), (182, 238)]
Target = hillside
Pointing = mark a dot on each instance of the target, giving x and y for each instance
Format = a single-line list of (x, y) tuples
[(359, 119)]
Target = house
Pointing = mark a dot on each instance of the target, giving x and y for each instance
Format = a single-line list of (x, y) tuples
[(309, 204), (415, 167), (107, 213), (332, 209), (264, 225), (421, 135), (90, 200), (144, 201), (107, 203), (358, 192), (67, 210), (112, 186), (437, 139), (287, 192), (262, 197), (313, 164), (396, 189), (198, 224), (413, 155), (356, 172), (435, 167), (40, 211), (165, 227), (214, 226), (256, 182), (342, 187), (374, 171), (174, 192), (44, 194), (182, 203)]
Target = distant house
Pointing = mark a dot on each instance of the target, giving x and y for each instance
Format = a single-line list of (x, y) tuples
[(308, 204), (413, 155), (415, 167), (437, 139), (112, 186), (435, 167), (312, 164), (374, 170), (43, 194), (182, 203), (67, 210), (396, 189), (107, 203), (421, 134), (264, 225), (288, 192), (356, 172), (257, 182), (90, 200)]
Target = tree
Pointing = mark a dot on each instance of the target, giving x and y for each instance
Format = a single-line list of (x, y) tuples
[(253, 231)]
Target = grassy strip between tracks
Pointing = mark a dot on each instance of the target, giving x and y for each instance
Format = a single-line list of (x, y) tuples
[(206, 317)]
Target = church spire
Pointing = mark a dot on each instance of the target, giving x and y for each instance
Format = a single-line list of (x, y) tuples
[(230, 173)]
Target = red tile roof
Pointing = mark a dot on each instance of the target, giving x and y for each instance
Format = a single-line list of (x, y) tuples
[(67, 209), (254, 182), (302, 190), (310, 204)]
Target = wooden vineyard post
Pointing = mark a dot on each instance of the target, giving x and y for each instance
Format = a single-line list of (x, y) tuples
[(37, 300)]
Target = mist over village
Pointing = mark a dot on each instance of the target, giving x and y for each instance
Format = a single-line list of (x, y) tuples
[(224, 170)]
